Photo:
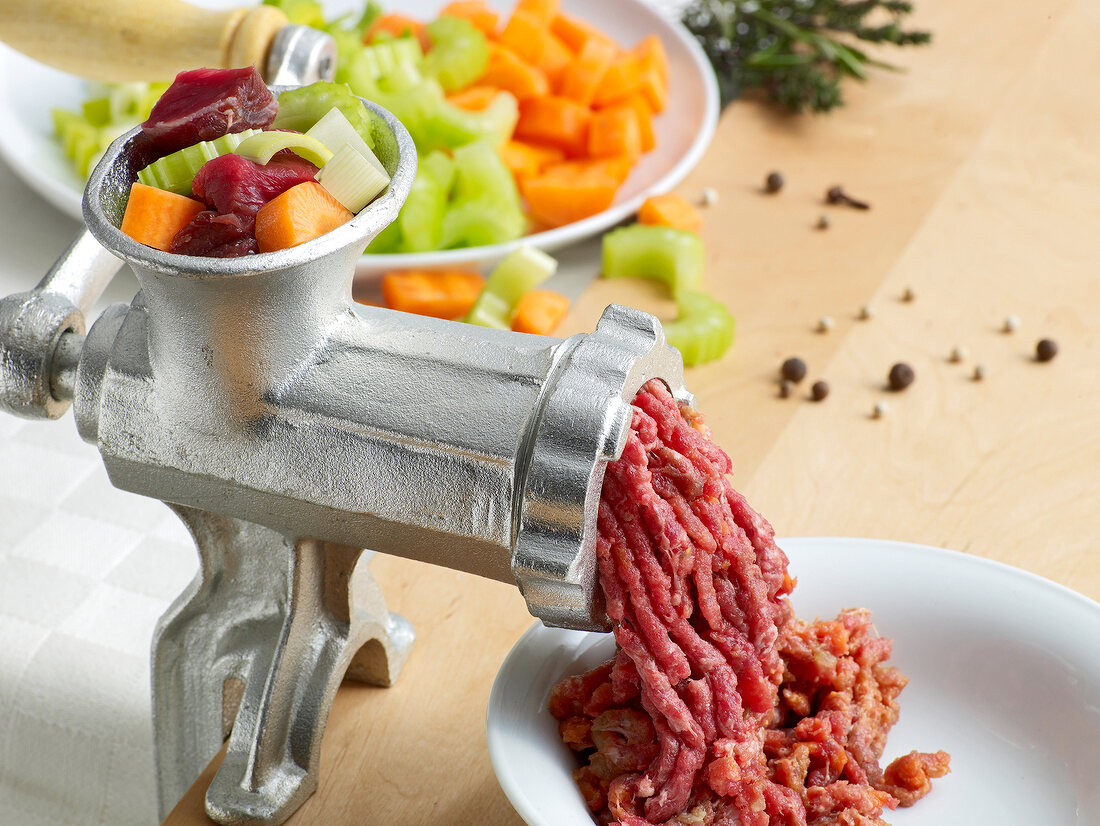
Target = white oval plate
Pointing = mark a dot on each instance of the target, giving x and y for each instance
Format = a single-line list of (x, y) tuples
[(1003, 667), (29, 90)]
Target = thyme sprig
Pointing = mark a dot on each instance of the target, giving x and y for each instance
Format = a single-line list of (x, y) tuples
[(796, 51)]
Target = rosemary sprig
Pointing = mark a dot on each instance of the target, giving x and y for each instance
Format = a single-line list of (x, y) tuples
[(796, 51)]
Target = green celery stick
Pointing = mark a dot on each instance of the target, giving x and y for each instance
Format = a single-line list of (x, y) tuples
[(674, 256), (175, 172), (301, 108), (459, 54), (519, 272), (703, 328)]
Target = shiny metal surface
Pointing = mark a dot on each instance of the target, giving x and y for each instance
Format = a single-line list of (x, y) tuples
[(300, 55), (290, 428), (32, 324)]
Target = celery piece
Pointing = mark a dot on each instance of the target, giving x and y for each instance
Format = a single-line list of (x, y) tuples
[(351, 179), (441, 168), (335, 132), (261, 147), (300, 12), (97, 111), (481, 174), (459, 54), (703, 328), (520, 271), (301, 108), (448, 126), (175, 172), (421, 217), (387, 241), (479, 223), (674, 256)]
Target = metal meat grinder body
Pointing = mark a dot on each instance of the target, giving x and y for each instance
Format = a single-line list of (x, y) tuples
[(290, 428)]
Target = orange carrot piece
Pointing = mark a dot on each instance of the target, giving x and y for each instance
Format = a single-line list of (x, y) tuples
[(529, 38), (510, 72), (542, 10), (614, 131), (474, 98), (300, 214), (581, 78), (526, 160), (574, 32), (622, 79), (399, 25), (670, 210), (555, 121), (539, 312), (573, 190), (653, 87), (645, 120), (442, 294), (653, 49), (154, 216), (476, 11)]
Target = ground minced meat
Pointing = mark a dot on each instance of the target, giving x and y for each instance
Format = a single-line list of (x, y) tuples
[(720, 707)]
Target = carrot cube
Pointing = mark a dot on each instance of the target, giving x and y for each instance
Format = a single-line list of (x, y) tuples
[(670, 210), (653, 87), (575, 32), (526, 160), (542, 10), (573, 190), (529, 38), (555, 121), (653, 49), (614, 131), (510, 72), (581, 78), (539, 312), (622, 79), (477, 12), (645, 120), (474, 98), (443, 294)]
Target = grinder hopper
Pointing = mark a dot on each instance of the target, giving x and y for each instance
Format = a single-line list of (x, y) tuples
[(290, 428)]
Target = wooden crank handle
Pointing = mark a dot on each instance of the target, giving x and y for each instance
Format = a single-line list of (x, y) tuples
[(120, 40)]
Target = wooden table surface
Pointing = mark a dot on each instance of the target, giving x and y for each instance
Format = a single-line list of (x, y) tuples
[(982, 162)]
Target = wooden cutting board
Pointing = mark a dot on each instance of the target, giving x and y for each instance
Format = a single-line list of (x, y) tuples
[(982, 164)]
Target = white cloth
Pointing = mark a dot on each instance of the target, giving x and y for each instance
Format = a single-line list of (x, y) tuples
[(85, 571)]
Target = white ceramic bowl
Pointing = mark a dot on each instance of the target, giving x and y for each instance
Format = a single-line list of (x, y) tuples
[(29, 90), (1004, 671)]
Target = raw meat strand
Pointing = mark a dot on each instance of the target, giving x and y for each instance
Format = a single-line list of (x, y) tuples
[(668, 535), (641, 610), (726, 595), (668, 705), (674, 431), (706, 659), (625, 524), (700, 700), (658, 772), (773, 562), (750, 592), (613, 591), (625, 683)]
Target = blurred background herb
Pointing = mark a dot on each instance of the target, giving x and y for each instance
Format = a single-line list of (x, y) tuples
[(795, 51)]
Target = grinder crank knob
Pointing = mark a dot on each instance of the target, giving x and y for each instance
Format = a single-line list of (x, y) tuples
[(138, 40)]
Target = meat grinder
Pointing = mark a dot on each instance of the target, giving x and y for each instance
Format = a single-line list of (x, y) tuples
[(290, 428)]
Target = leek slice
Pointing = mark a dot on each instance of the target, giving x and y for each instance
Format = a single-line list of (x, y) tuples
[(262, 147), (351, 179)]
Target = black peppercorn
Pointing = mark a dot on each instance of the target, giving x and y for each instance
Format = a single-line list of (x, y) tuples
[(1046, 349), (901, 376), (819, 391), (774, 182), (793, 369)]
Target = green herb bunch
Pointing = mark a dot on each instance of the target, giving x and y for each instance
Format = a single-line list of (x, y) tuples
[(795, 51)]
